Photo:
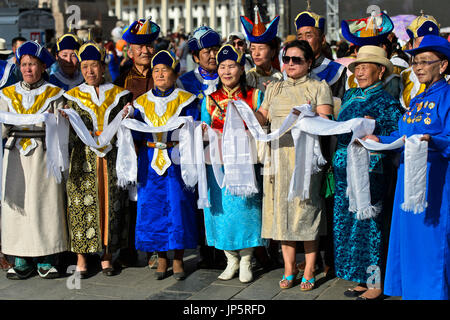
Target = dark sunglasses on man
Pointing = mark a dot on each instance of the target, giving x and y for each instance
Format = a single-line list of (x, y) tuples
[(295, 60), (239, 43)]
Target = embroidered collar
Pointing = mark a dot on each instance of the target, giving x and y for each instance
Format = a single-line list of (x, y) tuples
[(29, 87), (231, 93), (159, 93), (207, 75)]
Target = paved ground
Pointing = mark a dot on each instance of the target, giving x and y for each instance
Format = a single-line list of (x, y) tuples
[(139, 284)]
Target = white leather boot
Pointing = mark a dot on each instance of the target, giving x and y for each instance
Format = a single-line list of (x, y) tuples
[(245, 266), (232, 265)]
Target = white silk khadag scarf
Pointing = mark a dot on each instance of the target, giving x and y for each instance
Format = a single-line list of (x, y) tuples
[(238, 176), (100, 143), (56, 162), (126, 165), (415, 180)]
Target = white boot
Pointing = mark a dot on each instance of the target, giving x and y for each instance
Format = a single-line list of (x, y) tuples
[(232, 265), (245, 266)]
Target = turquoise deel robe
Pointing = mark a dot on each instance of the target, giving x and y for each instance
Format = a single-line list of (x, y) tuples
[(418, 263), (232, 222), (358, 244)]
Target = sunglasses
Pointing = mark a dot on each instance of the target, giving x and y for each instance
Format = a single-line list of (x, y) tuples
[(239, 43), (295, 60)]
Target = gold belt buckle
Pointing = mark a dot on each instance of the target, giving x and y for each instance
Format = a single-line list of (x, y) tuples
[(160, 145)]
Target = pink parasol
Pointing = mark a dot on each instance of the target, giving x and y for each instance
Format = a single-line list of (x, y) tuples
[(401, 22)]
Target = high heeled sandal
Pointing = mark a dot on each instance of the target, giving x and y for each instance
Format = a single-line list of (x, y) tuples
[(310, 282), (287, 282)]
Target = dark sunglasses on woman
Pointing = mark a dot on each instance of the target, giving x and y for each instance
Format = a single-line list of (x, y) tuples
[(295, 60)]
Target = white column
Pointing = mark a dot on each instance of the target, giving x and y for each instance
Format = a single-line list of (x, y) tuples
[(154, 14), (119, 9), (176, 18), (223, 20), (237, 20), (212, 14), (140, 9), (188, 16), (164, 16)]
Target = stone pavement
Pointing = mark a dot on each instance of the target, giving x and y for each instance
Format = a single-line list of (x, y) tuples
[(201, 284)]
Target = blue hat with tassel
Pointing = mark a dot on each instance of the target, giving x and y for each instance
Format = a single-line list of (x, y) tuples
[(141, 32), (367, 31)]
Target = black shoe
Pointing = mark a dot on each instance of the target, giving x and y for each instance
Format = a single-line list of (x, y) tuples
[(179, 275), (109, 272), (16, 274), (51, 273), (350, 293), (161, 275)]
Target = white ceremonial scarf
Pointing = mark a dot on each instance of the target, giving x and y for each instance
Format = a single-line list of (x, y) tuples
[(98, 144), (126, 164), (55, 159), (307, 127), (304, 132), (415, 164)]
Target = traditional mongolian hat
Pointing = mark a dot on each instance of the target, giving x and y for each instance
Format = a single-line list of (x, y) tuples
[(432, 42), (373, 54), (256, 31), (68, 41), (34, 49), (423, 25), (141, 32), (166, 58), (372, 30), (228, 52), (91, 51), (310, 19), (204, 37)]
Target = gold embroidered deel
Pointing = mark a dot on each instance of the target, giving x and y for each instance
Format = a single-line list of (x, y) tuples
[(99, 111), (39, 101), (157, 121)]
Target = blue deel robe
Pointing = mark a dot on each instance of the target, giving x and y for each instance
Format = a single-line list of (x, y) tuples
[(166, 209), (197, 83), (418, 263), (7, 74)]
